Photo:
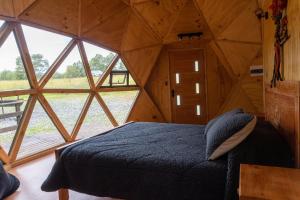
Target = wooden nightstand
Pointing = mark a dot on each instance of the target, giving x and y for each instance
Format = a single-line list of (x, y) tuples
[(269, 183)]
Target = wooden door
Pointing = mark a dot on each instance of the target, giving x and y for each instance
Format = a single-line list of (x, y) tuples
[(188, 86)]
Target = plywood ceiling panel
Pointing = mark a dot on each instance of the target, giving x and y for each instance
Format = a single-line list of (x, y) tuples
[(142, 67), (127, 2), (145, 110), (160, 15), (246, 27), (95, 12), (260, 3), (253, 88), (21, 5), (140, 1), (219, 14), (56, 14), (110, 32), (158, 86), (6, 8), (189, 20), (219, 83), (239, 55), (138, 35), (238, 99)]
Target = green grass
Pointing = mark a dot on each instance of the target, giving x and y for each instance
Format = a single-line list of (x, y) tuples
[(117, 101), (66, 83), (14, 85)]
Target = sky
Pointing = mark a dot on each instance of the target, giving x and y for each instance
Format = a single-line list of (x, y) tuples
[(49, 44)]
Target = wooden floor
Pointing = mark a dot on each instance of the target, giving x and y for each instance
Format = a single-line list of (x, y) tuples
[(32, 175)]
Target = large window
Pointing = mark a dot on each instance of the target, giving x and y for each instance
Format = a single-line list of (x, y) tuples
[(70, 74), (67, 89), (43, 55), (12, 71), (119, 76), (99, 59)]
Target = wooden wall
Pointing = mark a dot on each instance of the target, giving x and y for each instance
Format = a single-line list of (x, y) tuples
[(142, 32), (282, 102), (219, 83), (292, 47)]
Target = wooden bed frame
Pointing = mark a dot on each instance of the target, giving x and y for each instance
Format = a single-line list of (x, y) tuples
[(282, 109), (63, 194)]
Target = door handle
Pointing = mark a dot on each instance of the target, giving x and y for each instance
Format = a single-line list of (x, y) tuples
[(173, 93)]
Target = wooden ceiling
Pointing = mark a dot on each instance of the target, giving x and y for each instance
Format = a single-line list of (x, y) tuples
[(138, 30)]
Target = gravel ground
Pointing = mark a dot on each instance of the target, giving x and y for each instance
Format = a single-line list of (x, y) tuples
[(42, 134)]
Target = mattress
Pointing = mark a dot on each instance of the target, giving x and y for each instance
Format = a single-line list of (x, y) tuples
[(142, 161), (157, 161)]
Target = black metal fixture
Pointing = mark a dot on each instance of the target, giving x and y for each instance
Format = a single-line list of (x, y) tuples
[(124, 80), (261, 14), (181, 36), (119, 78)]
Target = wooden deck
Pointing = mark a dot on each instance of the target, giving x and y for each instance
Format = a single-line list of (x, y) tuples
[(33, 174)]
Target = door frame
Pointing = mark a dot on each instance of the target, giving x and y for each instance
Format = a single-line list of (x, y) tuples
[(170, 78)]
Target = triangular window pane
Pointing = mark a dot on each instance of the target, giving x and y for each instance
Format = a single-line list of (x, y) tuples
[(1, 22), (11, 111), (67, 107), (41, 134), (119, 77), (70, 74), (95, 122), (12, 71), (120, 103), (44, 47), (98, 58)]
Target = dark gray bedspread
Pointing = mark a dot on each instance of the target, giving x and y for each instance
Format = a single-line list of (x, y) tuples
[(150, 161)]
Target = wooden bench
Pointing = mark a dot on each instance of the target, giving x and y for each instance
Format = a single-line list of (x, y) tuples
[(18, 113)]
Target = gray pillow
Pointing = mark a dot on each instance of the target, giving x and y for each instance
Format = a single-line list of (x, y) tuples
[(229, 113), (227, 132)]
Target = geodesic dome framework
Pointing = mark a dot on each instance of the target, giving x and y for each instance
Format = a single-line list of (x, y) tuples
[(142, 32), (38, 88)]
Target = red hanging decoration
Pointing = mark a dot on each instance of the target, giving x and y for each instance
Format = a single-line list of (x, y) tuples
[(279, 15)]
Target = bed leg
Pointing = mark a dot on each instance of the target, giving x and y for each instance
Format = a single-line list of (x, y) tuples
[(63, 194)]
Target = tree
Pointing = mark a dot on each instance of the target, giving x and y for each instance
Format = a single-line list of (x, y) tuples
[(74, 71), (7, 75), (97, 63), (20, 71), (58, 75), (120, 66), (107, 59), (40, 65), (100, 62)]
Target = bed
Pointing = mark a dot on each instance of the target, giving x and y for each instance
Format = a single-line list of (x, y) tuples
[(153, 161)]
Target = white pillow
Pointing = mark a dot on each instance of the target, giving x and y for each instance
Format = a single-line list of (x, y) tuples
[(227, 132)]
